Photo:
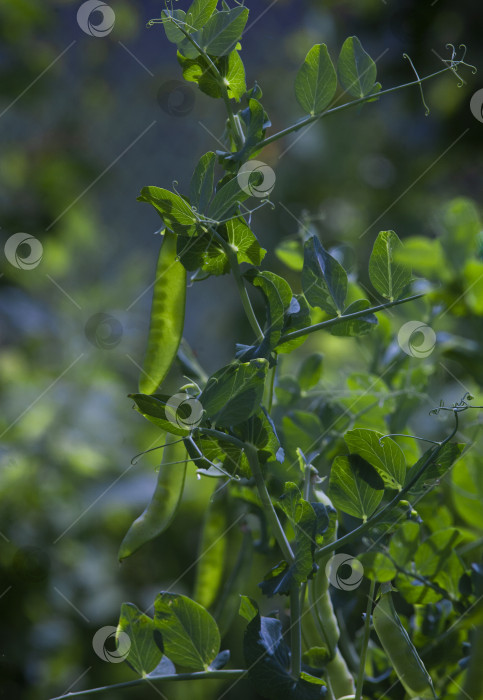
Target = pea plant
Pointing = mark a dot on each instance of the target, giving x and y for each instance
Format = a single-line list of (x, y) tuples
[(371, 596)]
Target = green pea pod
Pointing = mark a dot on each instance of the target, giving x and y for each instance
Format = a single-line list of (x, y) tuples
[(164, 503), (212, 553), (400, 650), (167, 316)]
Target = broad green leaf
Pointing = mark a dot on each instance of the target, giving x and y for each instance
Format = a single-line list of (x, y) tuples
[(467, 490), (324, 280), (355, 327), (234, 393), (255, 121), (164, 503), (199, 13), (144, 655), (316, 81), (244, 242), (248, 608), (388, 277), (198, 70), (377, 566), (404, 543), (201, 188), (167, 317), (310, 371), (301, 429), (203, 253), (433, 553), (174, 210), (356, 69), (156, 409), (267, 659), (235, 76), (461, 226), (278, 295), (291, 253), (173, 34), (227, 199), (212, 553), (222, 31), (185, 631), (473, 286), (220, 452), (297, 316), (386, 457), (425, 256), (436, 469), (350, 493), (261, 433)]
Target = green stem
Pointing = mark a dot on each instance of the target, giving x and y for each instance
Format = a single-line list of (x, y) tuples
[(377, 517), (341, 319), (269, 389), (272, 517), (202, 675), (295, 631), (365, 642), (308, 120)]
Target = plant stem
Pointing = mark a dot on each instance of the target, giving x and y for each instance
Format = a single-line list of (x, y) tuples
[(269, 388), (201, 675), (362, 529), (340, 319), (308, 120), (295, 631), (272, 517), (365, 642)]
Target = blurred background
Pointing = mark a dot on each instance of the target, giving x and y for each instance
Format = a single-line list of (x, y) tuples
[(85, 123)]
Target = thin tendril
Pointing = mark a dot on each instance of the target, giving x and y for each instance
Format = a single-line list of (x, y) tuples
[(405, 55)]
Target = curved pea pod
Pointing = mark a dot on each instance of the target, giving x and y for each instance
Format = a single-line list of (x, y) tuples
[(167, 316), (399, 649), (164, 503)]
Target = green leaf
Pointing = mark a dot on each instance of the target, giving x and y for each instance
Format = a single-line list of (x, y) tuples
[(173, 34), (235, 76), (357, 71), (201, 188), (350, 493), (134, 640), (388, 277), (447, 456), (291, 253), (163, 505), (377, 566), (244, 242), (227, 200), (203, 253), (248, 608), (260, 431), (222, 31), (461, 226), (404, 543), (255, 121), (212, 553), (301, 429), (355, 327), (185, 631), (174, 210), (234, 393), (297, 316), (434, 552), (310, 372), (467, 490), (268, 660), (324, 280), (387, 457), (316, 81), (143, 655), (156, 409), (220, 452), (167, 317), (199, 13), (278, 295)]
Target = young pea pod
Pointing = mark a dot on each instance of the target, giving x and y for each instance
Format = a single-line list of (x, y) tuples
[(400, 651), (167, 316), (164, 503)]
